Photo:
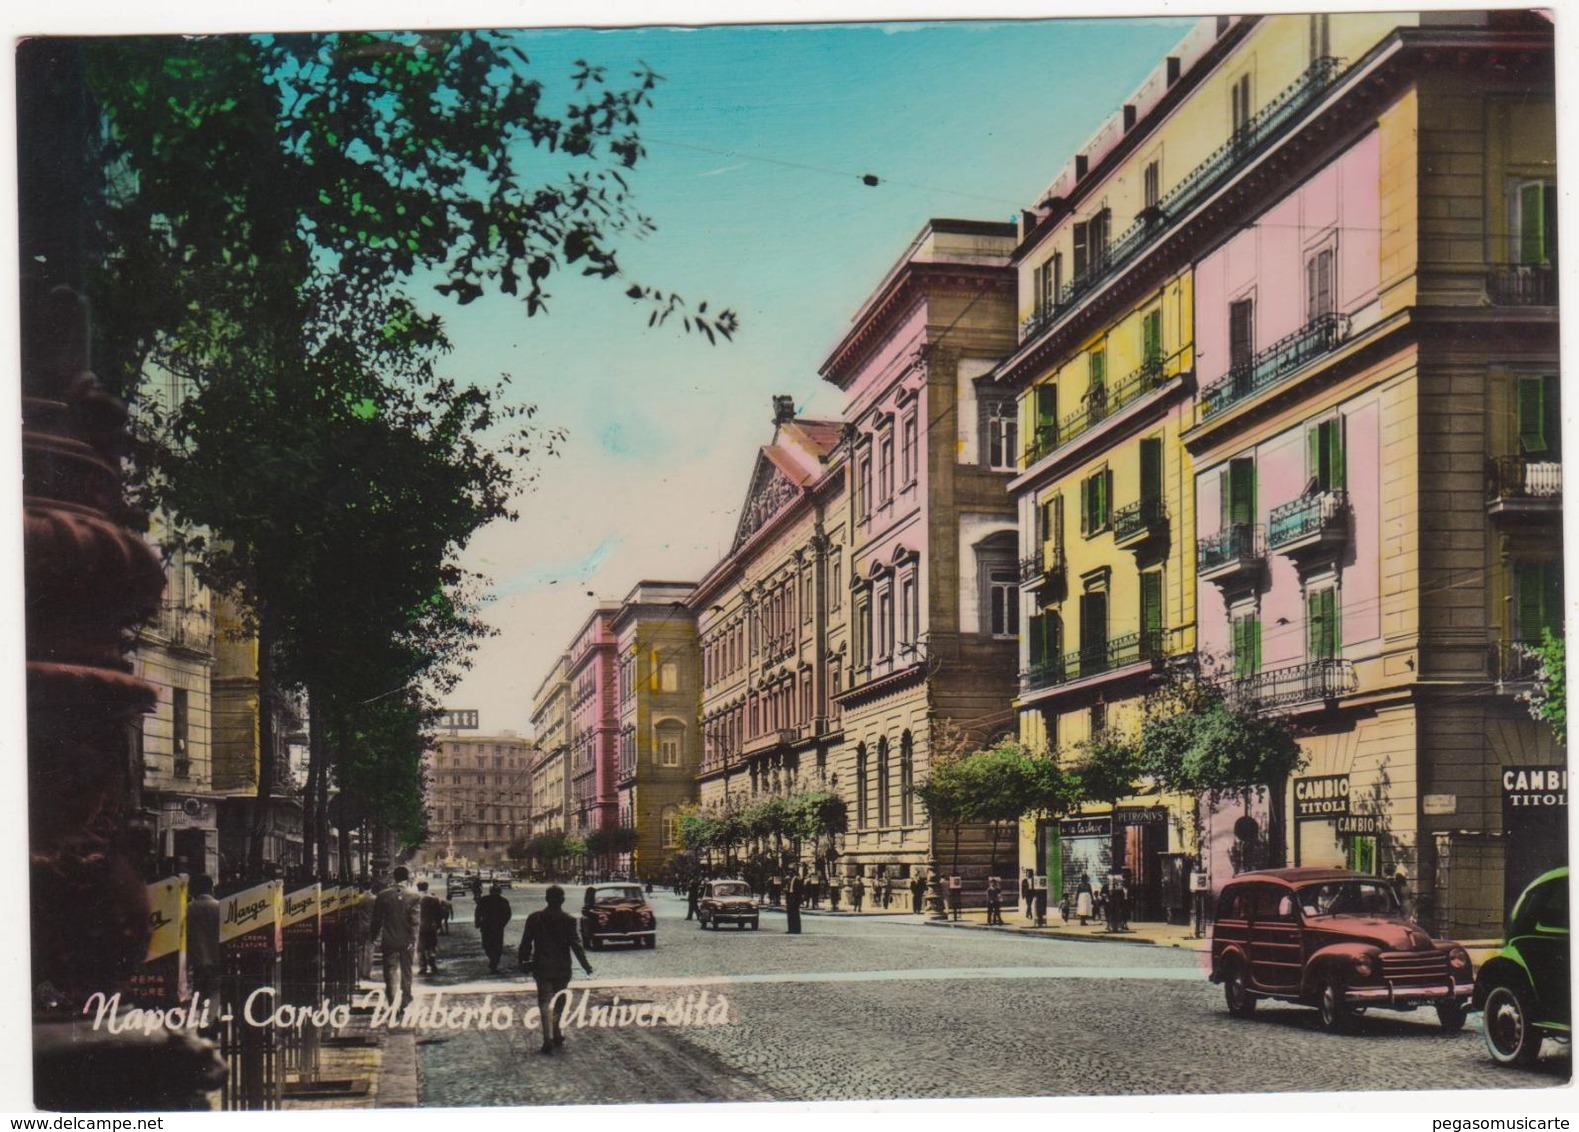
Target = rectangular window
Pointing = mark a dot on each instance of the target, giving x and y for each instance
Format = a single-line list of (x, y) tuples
[(1151, 614), (1093, 631), (885, 623), (1046, 632), (1241, 333), (1000, 442), (836, 584), (863, 488), (1237, 491), (1004, 590), (1247, 646), (907, 611), (1082, 249), (1537, 599), (1151, 181), (669, 751), (1151, 338), (1046, 416), (180, 717), (1537, 416), (885, 470), (1324, 455), (908, 449), (1151, 471), (1239, 109), (1532, 207), (1319, 281), (1321, 620), (669, 677), (1097, 234), (1096, 493), (1320, 45)]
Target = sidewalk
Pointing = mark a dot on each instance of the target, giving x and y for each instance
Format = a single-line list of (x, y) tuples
[(359, 1068), (1156, 935)]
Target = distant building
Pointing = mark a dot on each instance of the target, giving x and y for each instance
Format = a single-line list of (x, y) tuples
[(479, 795), (551, 778), (771, 617), (594, 725), (659, 694)]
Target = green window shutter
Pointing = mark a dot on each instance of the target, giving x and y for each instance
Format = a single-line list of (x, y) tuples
[(1313, 446), (1551, 413), (1046, 406), (1151, 468), (1242, 490), (1080, 249), (1151, 337), (1335, 454), (1532, 223), (1225, 497), (1322, 624), (1036, 639), (1531, 410), (1107, 495), (1530, 582), (1085, 506), (1255, 643), (1056, 529), (1151, 609)]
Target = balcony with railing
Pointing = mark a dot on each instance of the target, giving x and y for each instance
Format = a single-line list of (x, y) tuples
[(770, 740), (1137, 523), (1097, 659), (1315, 522), (1513, 662), (1275, 364), (1312, 682), (1098, 405), (1244, 144), (1045, 567), (1236, 551), (1522, 285), (1524, 485)]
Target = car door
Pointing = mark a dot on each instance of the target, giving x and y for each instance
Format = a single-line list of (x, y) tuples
[(1276, 950), (1544, 945)]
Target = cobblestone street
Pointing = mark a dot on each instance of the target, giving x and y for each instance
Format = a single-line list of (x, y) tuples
[(884, 1007)]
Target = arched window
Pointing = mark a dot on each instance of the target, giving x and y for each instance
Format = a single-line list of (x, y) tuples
[(860, 786), (907, 779), (882, 781), (669, 741)]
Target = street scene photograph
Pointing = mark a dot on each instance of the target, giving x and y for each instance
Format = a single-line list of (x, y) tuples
[(720, 564)]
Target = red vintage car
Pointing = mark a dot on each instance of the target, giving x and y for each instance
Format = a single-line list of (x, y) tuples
[(1333, 939), (617, 912)]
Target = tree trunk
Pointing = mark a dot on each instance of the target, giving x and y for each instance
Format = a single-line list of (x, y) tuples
[(263, 817), (312, 814), (1277, 848)]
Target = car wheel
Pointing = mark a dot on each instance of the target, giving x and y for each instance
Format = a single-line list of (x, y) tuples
[(1510, 1038), (1335, 1013), (1236, 990), (652, 942), (597, 943), (1450, 1014)]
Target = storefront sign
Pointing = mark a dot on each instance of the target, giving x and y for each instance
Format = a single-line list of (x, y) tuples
[(1439, 805), (1359, 824), (162, 976), (1534, 787), (1136, 815), (250, 920), (1085, 827), (299, 922), (1326, 796), (458, 719)]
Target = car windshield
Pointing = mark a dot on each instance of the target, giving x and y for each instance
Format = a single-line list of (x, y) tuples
[(731, 888), (1349, 898), (616, 895)]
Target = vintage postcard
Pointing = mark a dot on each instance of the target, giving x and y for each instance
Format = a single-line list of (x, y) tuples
[(872, 561)]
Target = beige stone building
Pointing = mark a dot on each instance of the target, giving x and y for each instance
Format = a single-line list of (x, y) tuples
[(550, 772), (479, 795)]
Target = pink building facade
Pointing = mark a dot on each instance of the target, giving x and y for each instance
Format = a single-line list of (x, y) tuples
[(594, 712)]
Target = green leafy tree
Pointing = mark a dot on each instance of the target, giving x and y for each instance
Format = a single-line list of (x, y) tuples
[(1548, 700), (948, 792)]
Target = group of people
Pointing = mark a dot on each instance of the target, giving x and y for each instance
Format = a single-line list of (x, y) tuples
[(813, 889), (406, 921)]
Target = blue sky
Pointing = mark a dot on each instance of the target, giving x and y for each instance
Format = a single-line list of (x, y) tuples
[(757, 146)]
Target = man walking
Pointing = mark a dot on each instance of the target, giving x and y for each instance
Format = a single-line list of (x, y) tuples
[(430, 911), (792, 898), (493, 913), (918, 891), (546, 946), (396, 912), (693, 897)]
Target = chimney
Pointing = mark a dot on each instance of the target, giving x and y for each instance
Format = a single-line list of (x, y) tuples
[(783, 409)]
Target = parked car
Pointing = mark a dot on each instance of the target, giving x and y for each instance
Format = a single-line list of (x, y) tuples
[(1333, 939), (617, 912), (1522, 991), (727, 902), (456, 887)]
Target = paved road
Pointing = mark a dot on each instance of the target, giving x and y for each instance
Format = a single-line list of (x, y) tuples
[(884, 1007)]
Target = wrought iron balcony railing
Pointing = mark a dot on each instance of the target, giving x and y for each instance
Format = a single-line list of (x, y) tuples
[(1245, 143), (1139, 520), (1094, 660), (1522, 285), (1047, 563), (1239, 546), (1043, 441), (1322, 513), (1513, 661), (1321, 335), (1524, 478), (1097, 406), (1298, 683)]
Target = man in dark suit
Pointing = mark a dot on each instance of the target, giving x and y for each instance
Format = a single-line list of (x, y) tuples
[(549, 939), (396, 916), (792, 898), (493, 913)]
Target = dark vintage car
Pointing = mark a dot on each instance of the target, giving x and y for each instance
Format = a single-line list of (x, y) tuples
[(617, 912), (1523, 990), (727, 902), (1333, 939)]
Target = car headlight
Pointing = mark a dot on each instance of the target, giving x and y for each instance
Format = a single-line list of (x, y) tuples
[(1458, 959), (1363, 967)]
